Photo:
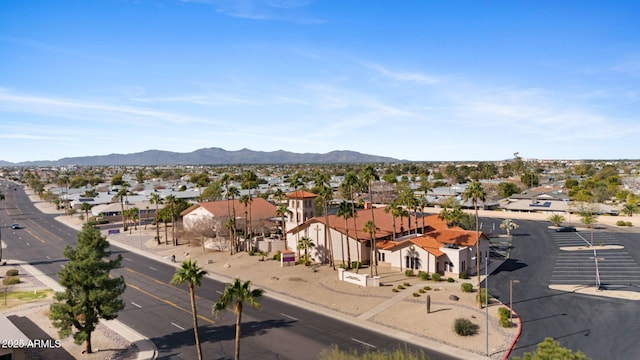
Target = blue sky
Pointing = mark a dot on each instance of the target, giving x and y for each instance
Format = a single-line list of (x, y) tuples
[(417, 80)]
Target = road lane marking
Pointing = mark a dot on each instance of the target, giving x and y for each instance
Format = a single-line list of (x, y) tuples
[(219, 292), (363, 343), (136, 305), (176, 325), (169, 303), (128, 259), (152, 268), (48, 257), (288, 316)]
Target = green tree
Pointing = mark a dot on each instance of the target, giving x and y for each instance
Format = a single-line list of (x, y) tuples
[(283, 211), (325, 194), (551, 349), (556, 219), (370, 228), (395, 210), (90, 292), (476, 193), (506, 189), (232, 193), (192, 274), (306, 244), (235, 295)]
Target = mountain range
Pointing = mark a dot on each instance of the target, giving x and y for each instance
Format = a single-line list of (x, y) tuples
[(211, 156)]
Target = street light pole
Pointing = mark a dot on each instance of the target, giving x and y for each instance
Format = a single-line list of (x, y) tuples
[(486, 297), (511, 282)]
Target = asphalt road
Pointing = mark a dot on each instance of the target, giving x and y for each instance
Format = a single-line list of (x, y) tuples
[(602, 328), (162, 312)]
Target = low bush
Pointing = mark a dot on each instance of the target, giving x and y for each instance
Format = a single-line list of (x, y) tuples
[(466, 287), (463, 275), (277, 255), (356, 265), (11, 280), (395, 290), (422, 291), (406, 284), (464, 327), (424, 275), (436, 277), (505, 317), (482, 296), (628, 223), (427, 288), (416, 295), (451, 279), (409, 273), (12, 272), (621, 223), (400, 287)]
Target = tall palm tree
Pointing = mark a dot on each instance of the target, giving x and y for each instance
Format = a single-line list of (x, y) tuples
[(475, 192), (296, 181), (325, 193), (245, 200), (370, 228), (394, 209), (425, 187), (369, 175), (350, 182), (122, 193), (155, 198), (235, 295), (345, 211), (171, 201), (232, 193), (192, 274)]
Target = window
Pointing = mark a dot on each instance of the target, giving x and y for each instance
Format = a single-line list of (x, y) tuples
[(381, 256)]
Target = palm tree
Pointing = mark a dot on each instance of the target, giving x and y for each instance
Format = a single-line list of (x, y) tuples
[(394, 209), (629, 209), (306, 244), (296, 181), (86, 207), (350, 182), (476, 193), (171, 201), (122, 193), (232, 192), (192, 274), (235, 295), (245, 200), (508, 225), (345, 211), (155, 198), (370, 228), (325, 193), (283, 211), (369, 175), (556, 219)]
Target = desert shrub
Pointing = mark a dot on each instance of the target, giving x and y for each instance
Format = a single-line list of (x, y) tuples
[(422, 291), (504, 322), (12, 272), (621, 223), (11, 280), (464, 327), (466, 287), (628, 223), (424, 275), (409, 273), (427, 288), (406, 284), (400, 287), (356, 265), (395, 290), (451, 279), (253, 251), (504, 312), (277, 255), (416, 295), (505, 317), (436, 277), (463, 275)]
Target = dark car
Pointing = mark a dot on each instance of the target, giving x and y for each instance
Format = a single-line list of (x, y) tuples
[(566, 229)]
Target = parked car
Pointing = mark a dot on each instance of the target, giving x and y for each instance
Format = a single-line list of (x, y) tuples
[(15, 226), (566, 229)]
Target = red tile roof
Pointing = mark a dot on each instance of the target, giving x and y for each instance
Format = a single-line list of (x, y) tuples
[(300, 194), (260, 208)]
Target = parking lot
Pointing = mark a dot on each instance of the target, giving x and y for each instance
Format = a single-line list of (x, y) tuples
[(609, 268)]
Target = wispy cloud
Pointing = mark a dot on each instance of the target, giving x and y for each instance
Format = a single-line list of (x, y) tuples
[(277, 10), (401, 76)]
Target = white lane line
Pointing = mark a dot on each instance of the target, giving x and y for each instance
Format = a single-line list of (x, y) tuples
[(152, 268), (48, 257), (363, 343), (290, 317), (219, 292), (128, 259), (178, 326), (136, 305)]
